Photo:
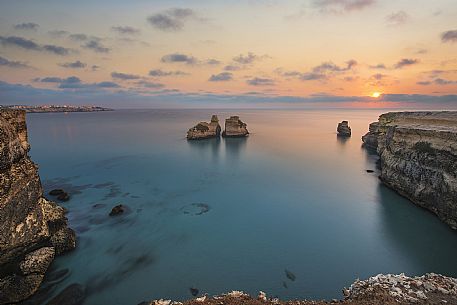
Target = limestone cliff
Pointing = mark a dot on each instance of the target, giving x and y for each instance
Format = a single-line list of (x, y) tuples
[(32, 229), (234, 127), (418, 153), (204, 130)]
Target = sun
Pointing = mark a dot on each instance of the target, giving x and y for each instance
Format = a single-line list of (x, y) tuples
[(376, 94)]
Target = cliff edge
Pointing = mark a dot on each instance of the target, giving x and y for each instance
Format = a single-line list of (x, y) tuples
[(418, 153), (32, 229)]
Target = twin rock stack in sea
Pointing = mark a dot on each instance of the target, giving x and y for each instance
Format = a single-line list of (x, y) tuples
[(32, 229), (234, 127), (343, 129)]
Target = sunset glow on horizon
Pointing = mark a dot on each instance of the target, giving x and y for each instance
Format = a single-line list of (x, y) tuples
[(204, 50)]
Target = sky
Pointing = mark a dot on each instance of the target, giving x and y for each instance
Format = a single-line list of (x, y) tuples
[(145, 53)]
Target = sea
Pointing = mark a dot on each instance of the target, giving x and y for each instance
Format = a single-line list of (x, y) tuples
[(290, 210)]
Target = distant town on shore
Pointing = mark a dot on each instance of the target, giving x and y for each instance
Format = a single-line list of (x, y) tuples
[(55, 108)]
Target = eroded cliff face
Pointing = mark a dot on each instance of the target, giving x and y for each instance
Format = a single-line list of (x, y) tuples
[(32, 229), (418, 152)]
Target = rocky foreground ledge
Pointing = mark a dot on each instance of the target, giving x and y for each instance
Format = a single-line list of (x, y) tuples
[(32, 229), (430, 289), (418, 154)]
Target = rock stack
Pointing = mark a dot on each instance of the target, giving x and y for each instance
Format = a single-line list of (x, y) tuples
[(343, 129), (204, 130), (234, 127), (32, 229)]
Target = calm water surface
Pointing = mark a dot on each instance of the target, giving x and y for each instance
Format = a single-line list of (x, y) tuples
[(233, 214)]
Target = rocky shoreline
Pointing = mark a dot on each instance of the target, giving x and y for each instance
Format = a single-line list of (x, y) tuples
[(33, 230), (418, 158), (429, 289)]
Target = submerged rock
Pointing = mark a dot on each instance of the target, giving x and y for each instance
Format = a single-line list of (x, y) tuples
[(343, 129), (204, 130), (56, 192), (418, 158), (73, 294), (28, 221), (194, 291), (63, 197), (290, 275), (117, 210), (234, 127)]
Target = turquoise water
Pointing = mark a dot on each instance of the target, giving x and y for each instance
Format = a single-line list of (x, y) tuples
[(233, 214)]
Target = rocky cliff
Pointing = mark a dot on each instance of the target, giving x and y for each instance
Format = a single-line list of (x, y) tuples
[(32, 229), (418, 153), (234, 127), (204, 130)]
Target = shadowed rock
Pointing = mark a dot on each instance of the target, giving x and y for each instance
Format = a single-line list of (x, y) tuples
[(117, 210), (72, 295), (343, 129)]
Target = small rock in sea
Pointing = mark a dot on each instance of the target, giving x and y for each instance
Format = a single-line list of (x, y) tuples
[(262, 296), (73, 294), (290, 275), (370, 171), (194, 291), (343, 129), (63, 197), (117, 210), (56, 192)]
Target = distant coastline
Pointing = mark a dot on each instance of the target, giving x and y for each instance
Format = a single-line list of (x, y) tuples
[(55, 108)]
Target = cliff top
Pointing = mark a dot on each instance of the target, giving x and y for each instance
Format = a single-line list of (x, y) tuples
[(426, 120)]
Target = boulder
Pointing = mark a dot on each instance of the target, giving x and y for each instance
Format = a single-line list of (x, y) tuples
[(204, 130), (234, 127), (343, 129)]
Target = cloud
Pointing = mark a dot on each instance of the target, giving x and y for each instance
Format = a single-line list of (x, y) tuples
[(78, 37), (340, 6), (124, 76), (212, 61), (173, 20), (4, 62), (125, 30), (449, 36), (232, 68), (249, 58), (257, 81), (438, 81), (94, 67), (16, 94), (56, 49), (406, 62), (398, 18), (75, 83), (28, 44), (321, 72), (150, 85), (378, 76), (58, 33), (96, 46), (73, 65), (27, 26), (161, 73), (378, 66), (221, 77), (179, 58)]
